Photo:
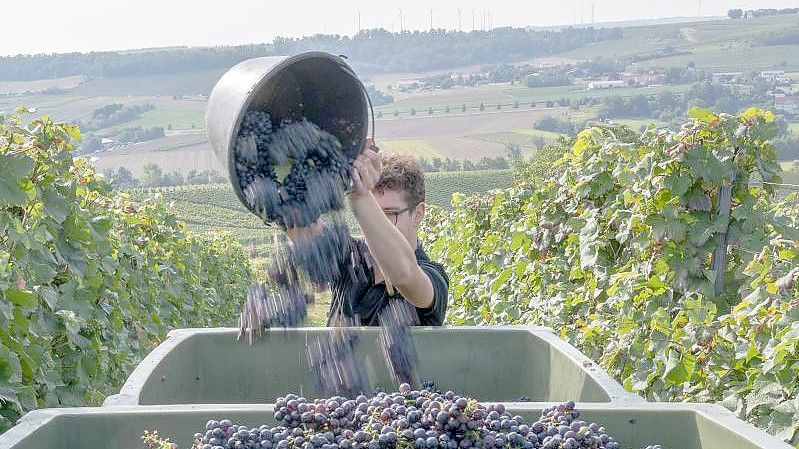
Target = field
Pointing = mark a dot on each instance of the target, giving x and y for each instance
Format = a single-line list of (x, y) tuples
[(716, 45), (12, 87), (429, 136), (414, 147), (504, 94), (177, 152), (525, 139)]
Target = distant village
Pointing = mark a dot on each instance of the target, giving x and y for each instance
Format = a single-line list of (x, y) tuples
[(786, 100)]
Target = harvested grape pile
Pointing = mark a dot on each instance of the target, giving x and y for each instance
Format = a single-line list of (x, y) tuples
[(407, 419)]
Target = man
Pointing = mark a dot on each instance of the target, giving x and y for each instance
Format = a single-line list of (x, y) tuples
[(387, 200)]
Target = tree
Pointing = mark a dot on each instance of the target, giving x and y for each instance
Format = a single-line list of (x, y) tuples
[(124, 179), (91, 143), (735, 13), (452, 165), (152, 176), (468, 165)]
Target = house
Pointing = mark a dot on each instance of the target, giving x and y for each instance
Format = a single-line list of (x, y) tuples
[(631, 79), (107, 143), (775, 76), (726, 77), (786, 102), (407, 84), (594, 85)]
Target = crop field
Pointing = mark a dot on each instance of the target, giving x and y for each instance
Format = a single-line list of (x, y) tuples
[(178, 152), (414, 147)]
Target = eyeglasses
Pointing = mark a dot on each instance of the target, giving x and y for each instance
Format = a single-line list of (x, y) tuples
[(392, 215)]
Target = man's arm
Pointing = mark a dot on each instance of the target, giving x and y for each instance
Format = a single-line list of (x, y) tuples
[(392, 252)]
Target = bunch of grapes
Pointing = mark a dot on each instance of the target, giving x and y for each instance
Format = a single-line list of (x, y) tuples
[(407, 419), (319, 170)]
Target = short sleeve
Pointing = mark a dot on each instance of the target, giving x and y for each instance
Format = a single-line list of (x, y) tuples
[(434, 315)]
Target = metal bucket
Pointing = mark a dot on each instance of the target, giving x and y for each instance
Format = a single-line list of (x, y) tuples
[(317, 85)]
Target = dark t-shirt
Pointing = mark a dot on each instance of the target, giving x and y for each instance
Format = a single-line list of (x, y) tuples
[(354, 293)]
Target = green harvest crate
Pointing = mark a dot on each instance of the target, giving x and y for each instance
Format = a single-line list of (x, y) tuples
[(502, 363), (673, 426)]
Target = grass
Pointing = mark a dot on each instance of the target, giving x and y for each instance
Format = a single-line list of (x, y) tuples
[(414, 147), (39, 85), (180, 119), (186, 83), (790, 166)]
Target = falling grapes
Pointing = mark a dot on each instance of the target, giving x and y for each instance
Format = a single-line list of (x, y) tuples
[(397, 342), (405, 419), (316, 176), (332, 359)]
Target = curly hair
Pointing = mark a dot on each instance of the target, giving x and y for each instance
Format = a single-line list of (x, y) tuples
[(401, 173)]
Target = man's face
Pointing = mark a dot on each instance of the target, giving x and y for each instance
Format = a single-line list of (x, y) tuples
[(406, 217)]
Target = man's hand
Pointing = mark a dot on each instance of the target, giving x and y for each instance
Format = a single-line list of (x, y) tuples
[(365, 171)]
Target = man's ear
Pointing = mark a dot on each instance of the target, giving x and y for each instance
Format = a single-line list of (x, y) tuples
[(418, 212)]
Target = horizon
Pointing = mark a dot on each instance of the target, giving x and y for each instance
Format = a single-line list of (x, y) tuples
[(200, 25)]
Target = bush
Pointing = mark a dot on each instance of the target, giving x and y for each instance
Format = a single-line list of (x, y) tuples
[(89, 281), (615, 248)]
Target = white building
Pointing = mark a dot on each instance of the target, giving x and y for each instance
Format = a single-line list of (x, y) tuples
[(726, 77), (593, 85)]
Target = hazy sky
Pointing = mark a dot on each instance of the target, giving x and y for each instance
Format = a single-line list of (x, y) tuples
[(48, 26)]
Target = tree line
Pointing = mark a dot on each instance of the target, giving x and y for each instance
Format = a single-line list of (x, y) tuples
[(370, 51)]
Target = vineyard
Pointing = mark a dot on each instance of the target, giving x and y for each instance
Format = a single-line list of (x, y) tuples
[(668, 257), (90, 282), (215, 206)]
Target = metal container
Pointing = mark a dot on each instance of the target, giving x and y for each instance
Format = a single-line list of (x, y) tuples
[(673, 426), (491, 363), (316, 85)]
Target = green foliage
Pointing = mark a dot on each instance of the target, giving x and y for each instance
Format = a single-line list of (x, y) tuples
[(89, 281), (614, 246)]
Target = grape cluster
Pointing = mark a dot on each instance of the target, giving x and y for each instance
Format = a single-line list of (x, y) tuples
[(407, 419), (396, 340), (319, 170)]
